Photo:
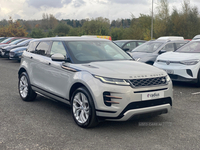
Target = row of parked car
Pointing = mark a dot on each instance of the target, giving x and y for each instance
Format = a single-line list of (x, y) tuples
[(13, 47), (181, 61), (178, 57)]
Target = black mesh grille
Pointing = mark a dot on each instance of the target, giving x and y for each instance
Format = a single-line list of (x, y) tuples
[(3, 50), (148, 81)]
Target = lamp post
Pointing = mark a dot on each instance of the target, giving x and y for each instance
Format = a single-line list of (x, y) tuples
[(152, 22)]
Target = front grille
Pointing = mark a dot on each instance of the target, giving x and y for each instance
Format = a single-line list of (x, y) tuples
[(3, 50), (148, 81)]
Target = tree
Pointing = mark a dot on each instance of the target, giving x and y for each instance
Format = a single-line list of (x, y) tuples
[(13, 29), (62, 29), (37, 32), (98, 26), (162, 18)]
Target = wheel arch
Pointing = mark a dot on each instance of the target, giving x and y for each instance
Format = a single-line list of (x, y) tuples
[(76, 86), (20, 71)]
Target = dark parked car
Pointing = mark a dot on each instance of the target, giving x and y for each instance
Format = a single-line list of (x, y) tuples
[(149, 51), (21, 42), (3, 51), (16, 53), (128, 45)]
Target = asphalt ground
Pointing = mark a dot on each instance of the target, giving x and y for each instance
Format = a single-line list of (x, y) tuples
[(45, 124)]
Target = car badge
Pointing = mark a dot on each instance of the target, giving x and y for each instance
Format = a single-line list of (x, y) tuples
[(168, 62)]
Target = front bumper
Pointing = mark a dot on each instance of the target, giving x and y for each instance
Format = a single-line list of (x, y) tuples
[(15, 56), (129, 102), (5, 53), (180, 72)]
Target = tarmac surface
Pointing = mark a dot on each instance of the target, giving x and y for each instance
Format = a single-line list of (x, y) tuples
[(44, 124)]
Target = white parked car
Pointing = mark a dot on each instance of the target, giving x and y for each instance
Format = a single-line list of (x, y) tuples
[(96, 77), (183, 64)]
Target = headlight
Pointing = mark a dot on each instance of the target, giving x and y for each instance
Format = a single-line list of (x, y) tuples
[(190, 62), (168, 79), (20, 52), (112, 80)]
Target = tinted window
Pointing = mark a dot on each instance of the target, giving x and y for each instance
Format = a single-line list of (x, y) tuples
[(178, 45), (120, 43), (32, 46), (130, 45), (17, 41), (148, 47), (6, 40), (169, 47), (42, 48), (25, 42), (57, 47), (140, 43)]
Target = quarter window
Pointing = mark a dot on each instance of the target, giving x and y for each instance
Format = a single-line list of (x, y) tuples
[(42, 48), (57, 47)]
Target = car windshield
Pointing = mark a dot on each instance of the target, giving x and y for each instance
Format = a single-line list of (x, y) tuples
[(148, 47), (191, 47), (119, 43), (16, 41), (24, 42), (6, 40), (89, 51)]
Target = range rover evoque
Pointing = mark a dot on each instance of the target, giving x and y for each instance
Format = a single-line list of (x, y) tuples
[(98, 79)]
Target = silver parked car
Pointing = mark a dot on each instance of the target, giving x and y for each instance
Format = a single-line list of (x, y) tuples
[(149, 51), (96, 77)]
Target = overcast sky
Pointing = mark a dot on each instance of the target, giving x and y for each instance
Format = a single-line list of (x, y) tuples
[(81, 9)]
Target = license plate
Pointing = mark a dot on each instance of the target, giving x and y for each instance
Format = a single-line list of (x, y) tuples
[(152, 95), (170, 71)]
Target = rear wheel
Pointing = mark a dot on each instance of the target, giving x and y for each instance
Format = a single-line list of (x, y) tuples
[(24, 87), (83, 109)]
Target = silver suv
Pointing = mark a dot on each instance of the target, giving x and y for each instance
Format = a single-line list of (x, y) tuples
[(98, 79)]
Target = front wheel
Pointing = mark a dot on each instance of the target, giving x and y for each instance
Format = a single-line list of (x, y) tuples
[(83, 109), (24, 87), (198, 79)]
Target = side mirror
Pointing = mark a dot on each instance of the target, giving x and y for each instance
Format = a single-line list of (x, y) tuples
[(162, 51), (59, 57)]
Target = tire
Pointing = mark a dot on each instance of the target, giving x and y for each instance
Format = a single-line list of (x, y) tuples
[(24, 88), (83, 109), (198, 79)]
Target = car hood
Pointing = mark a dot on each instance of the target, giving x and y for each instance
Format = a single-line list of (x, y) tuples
[(176, 56), (19, 49), (144, 57), (120, 69), (3, 45)]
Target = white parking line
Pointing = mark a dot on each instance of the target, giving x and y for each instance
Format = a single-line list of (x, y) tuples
[(196, 93)]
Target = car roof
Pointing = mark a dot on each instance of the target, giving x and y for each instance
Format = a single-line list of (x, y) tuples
[(196, 37), (128, 40), (69, 39), (170, 38), (171, 41)]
